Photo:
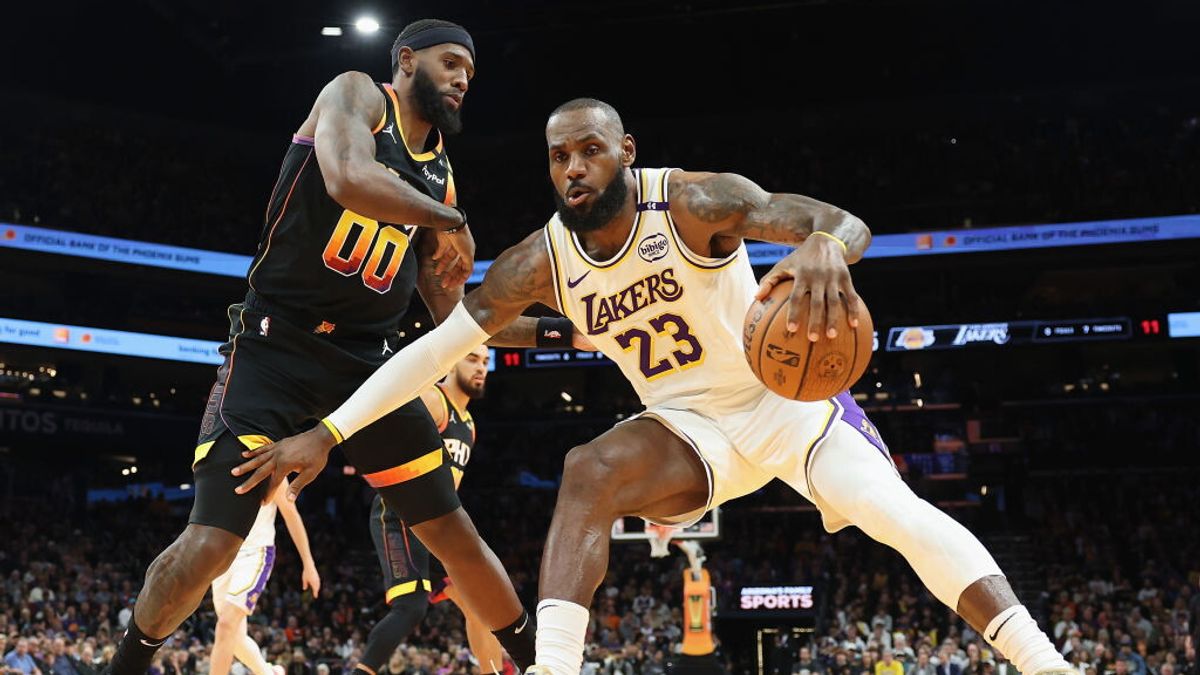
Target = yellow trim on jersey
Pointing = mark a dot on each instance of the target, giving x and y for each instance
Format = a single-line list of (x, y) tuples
[(559, 272), (633, 233), (463, 415), (337, 435), (406, 588), (692, 258), (382, 119), (424, 156), (458, 474), (445, 409), (202, 452), (262, 560)]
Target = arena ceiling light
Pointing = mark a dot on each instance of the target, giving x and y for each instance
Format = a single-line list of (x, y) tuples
[(367, 25), (331, 31)]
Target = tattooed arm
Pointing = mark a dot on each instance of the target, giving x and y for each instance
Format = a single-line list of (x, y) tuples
[(341, 124), (518, 278), (715, 211), (441, 298), (729, 206)]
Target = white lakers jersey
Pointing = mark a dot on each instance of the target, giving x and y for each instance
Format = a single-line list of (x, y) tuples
[(671, 319), (262, 534)]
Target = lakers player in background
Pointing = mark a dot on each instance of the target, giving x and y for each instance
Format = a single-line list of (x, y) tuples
[(363, 213), (651, 265), (403, 558), (237, 590)]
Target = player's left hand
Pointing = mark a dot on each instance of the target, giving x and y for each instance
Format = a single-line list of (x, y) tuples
[(305, 454), (310, 579), (454, 259), (819, 269)]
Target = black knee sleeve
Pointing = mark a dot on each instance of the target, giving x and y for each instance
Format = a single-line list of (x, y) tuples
[(403, 615)]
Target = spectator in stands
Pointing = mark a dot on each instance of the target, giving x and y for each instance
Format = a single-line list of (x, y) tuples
[(807, 665), (946, 662), (20, 660), (888, 665), (923, 665)]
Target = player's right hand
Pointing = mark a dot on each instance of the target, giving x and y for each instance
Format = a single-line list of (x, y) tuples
[(454, 259), (822, 281), (304, 454)]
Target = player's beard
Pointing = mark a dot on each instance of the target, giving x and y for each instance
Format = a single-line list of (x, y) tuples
[(432, 106), (472, 390), (603, 208)]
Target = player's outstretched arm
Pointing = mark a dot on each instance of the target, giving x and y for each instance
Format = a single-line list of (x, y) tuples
[(346, 111), (441, 298), (711, 207), (310, 579), (518, 278)]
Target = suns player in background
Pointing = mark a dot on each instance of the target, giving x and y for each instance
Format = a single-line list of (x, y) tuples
[(237, 590), (363, 213), (651, 265), (403, 558)]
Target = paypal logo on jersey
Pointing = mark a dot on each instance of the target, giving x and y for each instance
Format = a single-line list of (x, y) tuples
[(429, 175), (653, 247)]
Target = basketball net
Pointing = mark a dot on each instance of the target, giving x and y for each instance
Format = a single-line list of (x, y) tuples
[(695, 555), (660, 539)]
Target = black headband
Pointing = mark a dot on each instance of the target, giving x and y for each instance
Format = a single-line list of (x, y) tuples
[(434, 35)]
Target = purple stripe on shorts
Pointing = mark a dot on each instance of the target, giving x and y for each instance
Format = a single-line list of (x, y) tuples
[(261, 584), (302, 140), (853, 415)]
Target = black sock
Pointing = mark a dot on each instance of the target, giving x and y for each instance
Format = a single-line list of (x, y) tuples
[(135, 652), (518, 640)]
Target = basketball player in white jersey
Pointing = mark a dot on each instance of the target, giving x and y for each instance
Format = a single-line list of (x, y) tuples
[(650, 264), (236, 592)]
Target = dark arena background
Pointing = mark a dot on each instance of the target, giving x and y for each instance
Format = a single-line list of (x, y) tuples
[(1030, 172)]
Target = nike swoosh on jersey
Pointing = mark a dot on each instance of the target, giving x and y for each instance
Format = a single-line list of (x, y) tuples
[(572, 283), (523, 624)]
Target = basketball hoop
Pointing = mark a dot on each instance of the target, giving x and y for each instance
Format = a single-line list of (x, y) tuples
[(660, 539)]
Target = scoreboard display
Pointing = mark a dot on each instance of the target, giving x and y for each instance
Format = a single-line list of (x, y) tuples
[(940, 336)]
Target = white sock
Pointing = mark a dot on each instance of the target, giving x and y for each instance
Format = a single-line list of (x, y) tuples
[(1017, 636), (561, 629)]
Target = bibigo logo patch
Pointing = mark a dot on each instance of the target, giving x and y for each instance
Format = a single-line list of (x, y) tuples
[(653, 247)]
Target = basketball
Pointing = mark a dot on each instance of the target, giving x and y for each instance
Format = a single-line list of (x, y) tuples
[(795, 367)]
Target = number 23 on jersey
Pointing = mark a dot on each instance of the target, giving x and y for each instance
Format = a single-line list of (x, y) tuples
[(687, 353), (360, 244)]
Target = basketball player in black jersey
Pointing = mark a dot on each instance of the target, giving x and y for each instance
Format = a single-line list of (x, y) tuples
[(402, 557), (363, 212)]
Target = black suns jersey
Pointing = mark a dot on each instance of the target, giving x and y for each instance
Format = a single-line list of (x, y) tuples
[(342, 272), (458, 435)]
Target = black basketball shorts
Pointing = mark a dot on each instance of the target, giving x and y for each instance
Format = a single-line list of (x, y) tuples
[(278, 380)]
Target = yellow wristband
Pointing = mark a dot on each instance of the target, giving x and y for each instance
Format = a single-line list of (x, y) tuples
[(845, 249), (337, 435)]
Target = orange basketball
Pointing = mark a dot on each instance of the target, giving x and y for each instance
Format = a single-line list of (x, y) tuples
[(794, 367)]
